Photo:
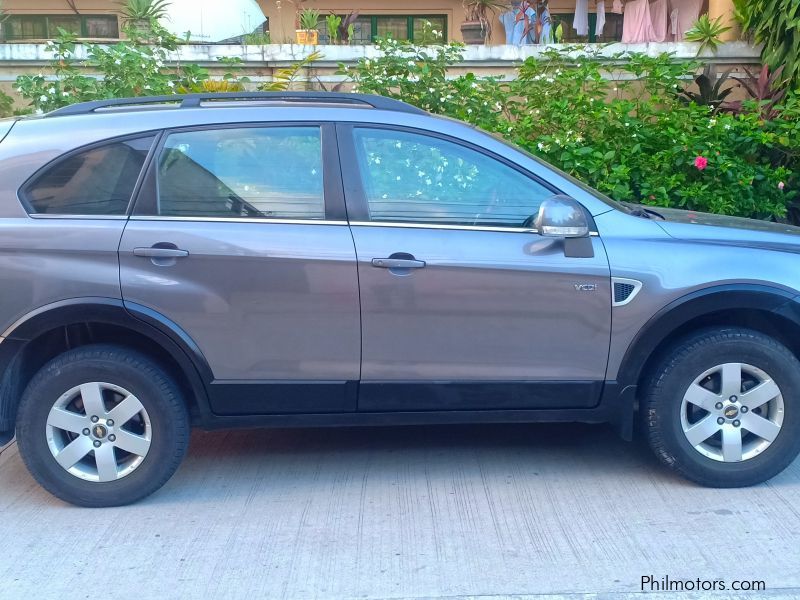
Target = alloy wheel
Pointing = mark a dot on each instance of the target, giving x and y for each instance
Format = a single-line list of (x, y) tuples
[(732, 412), (98, 432)]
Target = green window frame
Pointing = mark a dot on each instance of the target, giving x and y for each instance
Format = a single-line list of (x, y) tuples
[(374, 20), (48, 25)]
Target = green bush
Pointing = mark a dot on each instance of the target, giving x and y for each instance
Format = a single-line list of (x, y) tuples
[(133, 67), (6, 105), (631, 136)]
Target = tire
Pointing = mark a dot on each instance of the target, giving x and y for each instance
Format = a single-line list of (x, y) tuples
[(682, 405), (126, 460)]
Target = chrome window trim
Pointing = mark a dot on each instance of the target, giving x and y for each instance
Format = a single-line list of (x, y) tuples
[(448, 226), (237, 220), (84, 217)]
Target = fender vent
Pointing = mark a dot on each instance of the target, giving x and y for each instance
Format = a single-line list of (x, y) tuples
[(625, 290)]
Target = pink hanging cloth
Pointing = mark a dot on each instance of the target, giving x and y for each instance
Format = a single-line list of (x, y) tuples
[(637, 25), (684, 15), (659, 14)]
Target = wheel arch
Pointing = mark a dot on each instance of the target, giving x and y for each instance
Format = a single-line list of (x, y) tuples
[(47, 331), (770, 310)]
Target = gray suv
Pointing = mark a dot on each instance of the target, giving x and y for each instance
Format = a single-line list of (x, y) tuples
[(314, 259)]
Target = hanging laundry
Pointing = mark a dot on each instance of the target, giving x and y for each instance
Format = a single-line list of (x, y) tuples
[(581, 21), (546, 35), (684, 15), (601, 17), (637, 26), (519, 25), (659, 15)]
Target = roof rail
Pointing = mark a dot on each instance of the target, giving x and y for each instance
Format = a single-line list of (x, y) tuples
[(196, 100)]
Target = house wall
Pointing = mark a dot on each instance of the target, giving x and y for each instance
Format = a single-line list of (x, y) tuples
[(282, 12)]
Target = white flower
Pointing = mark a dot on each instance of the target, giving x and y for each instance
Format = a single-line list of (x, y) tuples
[(540, 145), (420, 173), (428, 181), (726, 126), (51, 91), (431, 90), (469, 111), (377, 160), (43, 98), (411, 63), (118, 62), (65, 93), (170, 84)]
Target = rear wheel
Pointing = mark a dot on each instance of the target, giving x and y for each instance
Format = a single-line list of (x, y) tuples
[(723, 408), (102, 426)]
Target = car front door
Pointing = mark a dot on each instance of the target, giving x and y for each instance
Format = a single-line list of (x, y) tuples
[(239, 238), (463, 304)]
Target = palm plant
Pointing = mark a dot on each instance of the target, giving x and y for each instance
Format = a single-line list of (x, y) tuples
[(482, 11), (309, 17), (707, 32), (776, 25), (144, 10)]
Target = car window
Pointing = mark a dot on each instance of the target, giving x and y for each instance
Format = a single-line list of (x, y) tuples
[(410, 177), (247, 172), (98, 181)]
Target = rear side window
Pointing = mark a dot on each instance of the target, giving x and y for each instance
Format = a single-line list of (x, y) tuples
[(247, 172), (98, 181)]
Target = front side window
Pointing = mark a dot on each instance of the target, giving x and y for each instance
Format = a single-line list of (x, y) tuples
[(410, 177), (248, 172), (98, 181)]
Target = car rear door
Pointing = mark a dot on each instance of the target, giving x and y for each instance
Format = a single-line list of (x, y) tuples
[(463, 305), (239, 238)]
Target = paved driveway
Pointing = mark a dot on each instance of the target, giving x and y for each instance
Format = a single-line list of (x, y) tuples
[(439, 512)]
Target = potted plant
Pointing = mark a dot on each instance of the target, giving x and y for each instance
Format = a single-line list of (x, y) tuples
[(143, 13), (477, 26), (308, 34)]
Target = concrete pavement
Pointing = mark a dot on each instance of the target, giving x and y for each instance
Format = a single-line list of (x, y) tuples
[(566, 511)]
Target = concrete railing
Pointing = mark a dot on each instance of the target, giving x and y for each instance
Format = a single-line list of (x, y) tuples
[(259, 61)]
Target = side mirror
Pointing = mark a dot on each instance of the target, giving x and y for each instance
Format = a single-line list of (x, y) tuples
[(562, 216)]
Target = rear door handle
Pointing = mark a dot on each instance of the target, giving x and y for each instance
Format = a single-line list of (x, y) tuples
[(398, 263), (156, 252)]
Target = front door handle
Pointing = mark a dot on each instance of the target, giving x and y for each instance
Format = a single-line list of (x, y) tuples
[(159, 252), (398, 263)]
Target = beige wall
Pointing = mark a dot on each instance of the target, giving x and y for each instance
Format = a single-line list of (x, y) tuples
[(54, 7), (281, 13)]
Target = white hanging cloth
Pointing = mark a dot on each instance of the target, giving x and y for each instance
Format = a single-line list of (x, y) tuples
[(601, 17), (581, 21)]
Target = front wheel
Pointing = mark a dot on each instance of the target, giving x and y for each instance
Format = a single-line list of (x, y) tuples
[(723, 408), (102, 425)]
